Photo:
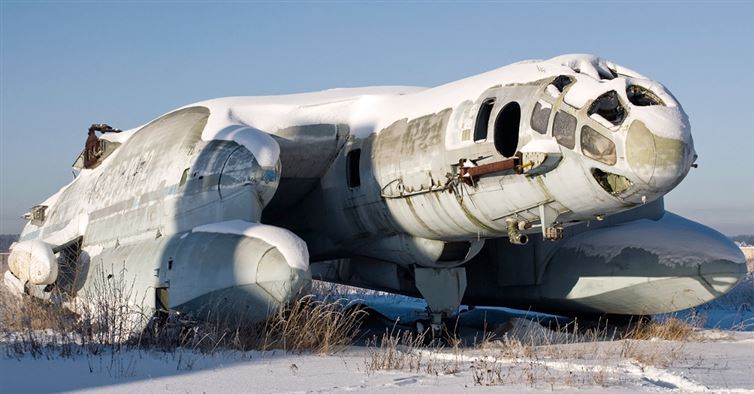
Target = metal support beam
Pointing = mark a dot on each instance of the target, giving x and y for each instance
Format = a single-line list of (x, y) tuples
[(443, 289)]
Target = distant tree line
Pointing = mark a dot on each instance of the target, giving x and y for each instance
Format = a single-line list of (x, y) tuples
[(6, 240), (746, 239)]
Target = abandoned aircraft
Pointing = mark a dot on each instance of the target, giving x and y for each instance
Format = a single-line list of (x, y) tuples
[(538, 185)]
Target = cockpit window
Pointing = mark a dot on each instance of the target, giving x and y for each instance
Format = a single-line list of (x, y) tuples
[(596, 146), (564, 129), (483, 120), (558, 85), (561, 82), (608, 106), (642, 97), (540, 117), (606, 74)]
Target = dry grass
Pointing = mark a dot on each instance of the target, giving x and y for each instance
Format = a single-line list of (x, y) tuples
[(524, 352), (109, 320), (408, 351), (37, 327), (311, 325), (671, 329)]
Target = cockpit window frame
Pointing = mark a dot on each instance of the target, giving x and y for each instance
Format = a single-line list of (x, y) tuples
[(540, 114), (482, 122), (614, 116), (569, 120), (589, 148)]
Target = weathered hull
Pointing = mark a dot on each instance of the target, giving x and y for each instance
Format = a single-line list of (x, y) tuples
[(641, 267)]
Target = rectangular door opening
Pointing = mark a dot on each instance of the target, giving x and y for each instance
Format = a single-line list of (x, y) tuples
[(352, 168)]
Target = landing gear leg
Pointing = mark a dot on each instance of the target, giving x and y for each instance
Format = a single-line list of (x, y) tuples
[(443, 290)]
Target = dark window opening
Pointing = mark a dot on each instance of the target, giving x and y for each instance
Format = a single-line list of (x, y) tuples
[(609, 107), (597, 146), (454, 251), (612, 183), (95, 149), (561, 82), (352, 168), (506, 129), (606, 74), (482, 120), (564, 129), (69, 266), (642, 97), (162, 299), (184, 177), (539, 118), (37, 215)]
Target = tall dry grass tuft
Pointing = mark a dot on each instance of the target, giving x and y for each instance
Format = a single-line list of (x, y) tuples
[(321, 326), (671, 329), (306, 325), (408, 351), (29, 326)]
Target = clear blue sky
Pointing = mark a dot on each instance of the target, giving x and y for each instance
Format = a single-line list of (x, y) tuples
[(65, 65)]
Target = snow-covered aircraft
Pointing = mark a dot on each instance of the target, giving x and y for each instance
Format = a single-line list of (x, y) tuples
[(538, 185)]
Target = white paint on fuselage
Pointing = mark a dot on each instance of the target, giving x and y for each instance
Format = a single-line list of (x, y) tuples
[(369, 110)]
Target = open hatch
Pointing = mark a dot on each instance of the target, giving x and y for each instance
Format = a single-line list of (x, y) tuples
[(96, 149)]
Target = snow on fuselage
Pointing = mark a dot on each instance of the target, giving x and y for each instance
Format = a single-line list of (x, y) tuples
[(383, 172), (608, 165)]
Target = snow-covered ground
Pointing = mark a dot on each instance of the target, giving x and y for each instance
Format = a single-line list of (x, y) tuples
[(734, 311), (723, 363), (718, 358)]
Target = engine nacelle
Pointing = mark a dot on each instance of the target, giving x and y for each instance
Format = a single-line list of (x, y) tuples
[(34, 262)]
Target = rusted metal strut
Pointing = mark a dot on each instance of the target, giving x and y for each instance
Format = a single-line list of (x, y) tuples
[(469, 175), (92, 147)]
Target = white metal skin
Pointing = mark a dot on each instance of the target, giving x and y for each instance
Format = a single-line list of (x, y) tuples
[(373, 176)]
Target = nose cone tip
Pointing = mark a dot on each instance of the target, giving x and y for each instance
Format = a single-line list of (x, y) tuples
[(659, 162)]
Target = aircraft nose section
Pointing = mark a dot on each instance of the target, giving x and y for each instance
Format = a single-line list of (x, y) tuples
[(659, 160)]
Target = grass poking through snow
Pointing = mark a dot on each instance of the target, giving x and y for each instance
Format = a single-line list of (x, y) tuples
[(520, 352)]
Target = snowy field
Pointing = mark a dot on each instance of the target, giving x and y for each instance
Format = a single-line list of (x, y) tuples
[(717, 357), (724, 364)]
